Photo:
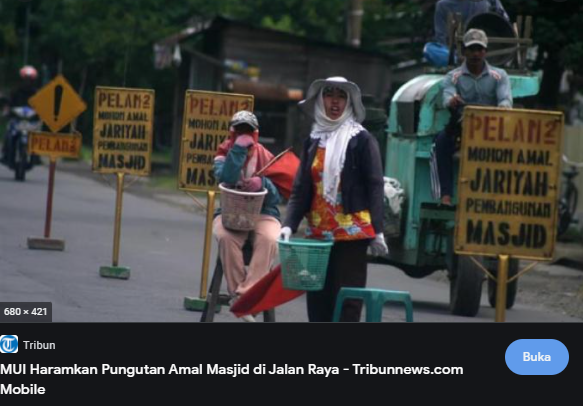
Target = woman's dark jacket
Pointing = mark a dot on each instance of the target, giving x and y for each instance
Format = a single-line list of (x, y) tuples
[(361, 181)]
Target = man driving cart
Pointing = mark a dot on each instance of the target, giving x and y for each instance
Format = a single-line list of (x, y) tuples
[(475, 82)]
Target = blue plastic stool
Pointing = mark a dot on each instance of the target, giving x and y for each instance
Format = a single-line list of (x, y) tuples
[(374, 299)]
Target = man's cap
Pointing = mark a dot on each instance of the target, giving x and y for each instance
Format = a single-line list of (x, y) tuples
[(244, 117), (339, 82), (475, 37)]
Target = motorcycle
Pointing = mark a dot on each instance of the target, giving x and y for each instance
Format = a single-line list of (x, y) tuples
[(23, 120)]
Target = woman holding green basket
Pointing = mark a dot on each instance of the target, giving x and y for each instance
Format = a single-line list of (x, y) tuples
[(339, 189)]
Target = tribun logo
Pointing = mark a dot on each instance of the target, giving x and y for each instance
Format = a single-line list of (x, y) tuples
[(8, 344)]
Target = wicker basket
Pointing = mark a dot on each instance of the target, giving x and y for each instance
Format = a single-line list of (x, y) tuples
[(240, 210), (304, 263)]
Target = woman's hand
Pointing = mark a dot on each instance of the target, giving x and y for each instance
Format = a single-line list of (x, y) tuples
[(244, 141), (253, 184), (285, 233), (378, 246)]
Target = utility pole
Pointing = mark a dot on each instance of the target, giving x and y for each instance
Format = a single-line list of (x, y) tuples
[(354, 22)]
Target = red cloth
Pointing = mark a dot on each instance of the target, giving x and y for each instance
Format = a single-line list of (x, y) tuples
[(282, 172), (228, 143), (257, 150), (266, 294)]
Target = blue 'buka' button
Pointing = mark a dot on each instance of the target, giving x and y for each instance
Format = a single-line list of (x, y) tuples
[(537, 357)]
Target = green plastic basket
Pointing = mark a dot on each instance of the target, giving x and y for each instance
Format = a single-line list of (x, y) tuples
[(304, 263)]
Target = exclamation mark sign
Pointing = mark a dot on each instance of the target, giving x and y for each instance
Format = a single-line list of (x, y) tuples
[(58, 98)]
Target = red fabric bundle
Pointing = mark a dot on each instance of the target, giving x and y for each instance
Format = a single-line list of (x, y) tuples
[(266, 294), (281, 171)]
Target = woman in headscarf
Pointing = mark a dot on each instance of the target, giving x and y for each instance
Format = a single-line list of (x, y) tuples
[(236, 163), (339, 189)]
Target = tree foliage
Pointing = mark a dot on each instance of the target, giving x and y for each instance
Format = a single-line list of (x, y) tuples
[(110, 42)]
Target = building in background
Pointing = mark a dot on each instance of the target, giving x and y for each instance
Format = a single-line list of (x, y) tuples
[(276, 67)]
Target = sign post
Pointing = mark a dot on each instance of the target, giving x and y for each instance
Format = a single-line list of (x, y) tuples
[(205, 126), (508, 188), (208, 230), (501, 287), (57, 104), (49, 212), (117, 227), (122, 144)]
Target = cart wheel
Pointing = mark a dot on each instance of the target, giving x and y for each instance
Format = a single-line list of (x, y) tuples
[(465, 289), (511, 288)]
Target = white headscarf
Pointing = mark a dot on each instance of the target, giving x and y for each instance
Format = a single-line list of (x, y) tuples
[(334, 135)]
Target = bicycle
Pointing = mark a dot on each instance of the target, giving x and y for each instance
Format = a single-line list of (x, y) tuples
[(569, 197)]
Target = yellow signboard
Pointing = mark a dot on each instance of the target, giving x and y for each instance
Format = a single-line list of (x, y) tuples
[(57, 103), (205, 126), (122, 130), (54, 144), (508, 184)]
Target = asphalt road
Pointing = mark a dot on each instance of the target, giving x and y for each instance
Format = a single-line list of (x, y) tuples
[(162, 242)]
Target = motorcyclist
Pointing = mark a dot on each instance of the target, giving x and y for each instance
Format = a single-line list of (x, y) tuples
[(26, 89), (19, 97)]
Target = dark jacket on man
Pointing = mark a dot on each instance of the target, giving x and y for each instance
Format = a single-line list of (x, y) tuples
[(20, 96), (361, 181)]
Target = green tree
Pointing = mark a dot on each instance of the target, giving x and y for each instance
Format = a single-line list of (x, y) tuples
[(99, 42)]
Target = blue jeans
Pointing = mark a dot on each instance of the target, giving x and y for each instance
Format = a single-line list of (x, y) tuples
[(436, 54)]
